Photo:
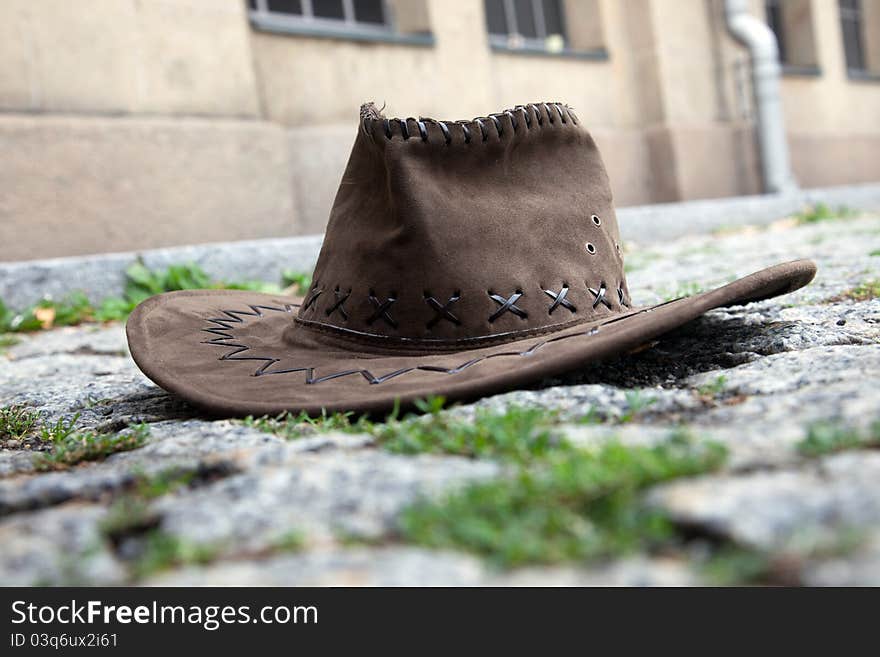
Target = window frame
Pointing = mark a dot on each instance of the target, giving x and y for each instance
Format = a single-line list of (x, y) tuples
[(349, 28), (776, 23), (855, 16), (537, 43), (308, 19)]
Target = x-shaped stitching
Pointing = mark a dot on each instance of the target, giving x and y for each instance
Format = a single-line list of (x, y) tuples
[(442, 311), (560, 300), (621, 297), (382, 309), (341, 298), (600, 296), (508, 304), (313, 296)]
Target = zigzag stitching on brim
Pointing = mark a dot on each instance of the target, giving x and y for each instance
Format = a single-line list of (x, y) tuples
[(223, 329)]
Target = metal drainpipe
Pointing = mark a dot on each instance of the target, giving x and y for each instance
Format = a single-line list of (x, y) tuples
[(761, 42)]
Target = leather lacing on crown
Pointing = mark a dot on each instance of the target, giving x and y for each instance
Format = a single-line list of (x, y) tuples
[(505, 303), (522, 118)]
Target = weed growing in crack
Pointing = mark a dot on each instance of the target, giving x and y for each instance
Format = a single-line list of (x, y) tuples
[(828, 438), (556, 502), (70, 447), (140, 284), (864, 291), (570, 504), (290, 541), (6, 341), (713, 388), (518, 434), (127, 515), (683, 290), (292, 426), (733, 565), (159, 550), (737, 565), (17, 422), (822, 212), (60, 431), (636, 402), (296, 283)]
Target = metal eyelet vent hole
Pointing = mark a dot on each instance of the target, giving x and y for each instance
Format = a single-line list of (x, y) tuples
[(591, 249), (596, 220)]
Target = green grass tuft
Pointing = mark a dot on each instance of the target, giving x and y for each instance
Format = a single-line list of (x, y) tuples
[(865, 291), (829, 438), (292, 426), (558, 502), (636, 402), (161, 551), (299, 281), (822, 212), (571, 504), (291, 541), (162, 483), (130, 514), (683, 290), (60, 431), (70, 447), (73, 309), (714, 388), (733, 565), (140, 284), (519, 434), (875, 252), (127, 516), (17, 422)]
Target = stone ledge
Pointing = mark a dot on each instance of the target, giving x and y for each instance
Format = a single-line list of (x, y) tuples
[(22, 283), (103, 275)]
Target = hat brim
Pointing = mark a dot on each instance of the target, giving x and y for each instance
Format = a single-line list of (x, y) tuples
[(236, 353)]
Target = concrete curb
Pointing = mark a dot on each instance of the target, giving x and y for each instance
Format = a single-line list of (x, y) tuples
[(646, 224), (102, 275)]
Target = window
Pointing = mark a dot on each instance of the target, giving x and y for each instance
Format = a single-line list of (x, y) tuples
[(536, 24), (354, 15), (776, 23), (792, 23), (853, 44)]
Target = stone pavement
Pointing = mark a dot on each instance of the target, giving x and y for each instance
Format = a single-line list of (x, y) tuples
[(753, 378)]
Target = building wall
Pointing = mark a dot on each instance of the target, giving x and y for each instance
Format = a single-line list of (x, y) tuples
[(166, 57), (833, 121), (139, 123)]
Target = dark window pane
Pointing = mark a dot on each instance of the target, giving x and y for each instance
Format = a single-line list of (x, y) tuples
[(369, 11), (553, 17), (851, 26), (328, 9), (252, 4), (285, 6), (525, 18), (852, 45), (496, 20), (775, 21)]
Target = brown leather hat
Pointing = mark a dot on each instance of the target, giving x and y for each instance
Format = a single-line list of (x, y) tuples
[(461, 258)]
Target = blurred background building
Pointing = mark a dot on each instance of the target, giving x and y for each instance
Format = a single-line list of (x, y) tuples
[(131, 124)]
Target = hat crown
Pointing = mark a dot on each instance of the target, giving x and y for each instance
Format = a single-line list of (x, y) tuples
[(450, 232)]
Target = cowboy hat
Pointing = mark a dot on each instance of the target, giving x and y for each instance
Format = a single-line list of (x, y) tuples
[(461, 258)]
